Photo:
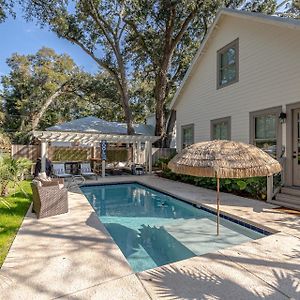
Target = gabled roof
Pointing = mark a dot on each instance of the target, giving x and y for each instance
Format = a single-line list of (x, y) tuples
[(96, 125), (256, 17)]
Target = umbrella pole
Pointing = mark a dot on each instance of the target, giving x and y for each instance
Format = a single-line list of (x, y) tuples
[(218, 205)]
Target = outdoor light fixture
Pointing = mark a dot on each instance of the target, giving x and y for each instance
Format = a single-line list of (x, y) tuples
[(282, 117)]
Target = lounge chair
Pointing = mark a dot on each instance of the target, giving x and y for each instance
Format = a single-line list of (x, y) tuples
[(60, 171), (50, 198), (111, 168), (86, 170), (137, 169)]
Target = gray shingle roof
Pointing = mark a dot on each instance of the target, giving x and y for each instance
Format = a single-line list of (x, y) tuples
[(93, 124)]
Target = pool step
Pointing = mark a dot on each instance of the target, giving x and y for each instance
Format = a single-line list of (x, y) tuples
[(289, 197)]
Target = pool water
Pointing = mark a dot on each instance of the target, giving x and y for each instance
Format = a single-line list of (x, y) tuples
[(153, 229)]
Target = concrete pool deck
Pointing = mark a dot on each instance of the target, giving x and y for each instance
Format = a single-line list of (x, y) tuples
[(72, 256)]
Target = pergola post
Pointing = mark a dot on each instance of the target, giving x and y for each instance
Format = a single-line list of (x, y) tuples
[(270, 184), (138, 152), (103, 169), (43, 156), (133, 152), (150, 157), (146, 156)]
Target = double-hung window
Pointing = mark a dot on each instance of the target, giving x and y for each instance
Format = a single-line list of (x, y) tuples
[(187, 135), (228, 64), (220, 129), (264, 130)]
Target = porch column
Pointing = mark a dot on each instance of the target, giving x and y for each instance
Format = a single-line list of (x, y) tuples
[(150, 157), (43, 156), (284, 138), (283, 159)]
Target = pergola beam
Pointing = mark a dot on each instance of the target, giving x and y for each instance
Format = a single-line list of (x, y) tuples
[(54, 136)]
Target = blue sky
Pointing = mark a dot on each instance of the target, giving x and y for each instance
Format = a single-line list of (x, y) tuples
[(16, 35)]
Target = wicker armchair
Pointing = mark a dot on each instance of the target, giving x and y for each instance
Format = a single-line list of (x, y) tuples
[(49, 198)]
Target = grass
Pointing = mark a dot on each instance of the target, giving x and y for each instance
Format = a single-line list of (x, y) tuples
[(11, 216)]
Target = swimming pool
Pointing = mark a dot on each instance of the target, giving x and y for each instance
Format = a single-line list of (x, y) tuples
[(153, 229)]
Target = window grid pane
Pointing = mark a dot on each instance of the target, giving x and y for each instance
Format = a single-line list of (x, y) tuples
[(228, 65), (221, 131), (265, 133), (187, 136)]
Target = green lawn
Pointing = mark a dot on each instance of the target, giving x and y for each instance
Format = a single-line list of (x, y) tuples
[(11, 217)]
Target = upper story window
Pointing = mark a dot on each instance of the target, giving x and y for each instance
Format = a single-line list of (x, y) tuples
[(220, 129), (187, 135), (228, 64)]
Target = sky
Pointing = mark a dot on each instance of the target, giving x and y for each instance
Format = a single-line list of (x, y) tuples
[(17, 35)]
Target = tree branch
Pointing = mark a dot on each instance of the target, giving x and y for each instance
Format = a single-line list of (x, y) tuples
[(183, 28), (100, 62), (101, 22), (140, 37), (170, 27)]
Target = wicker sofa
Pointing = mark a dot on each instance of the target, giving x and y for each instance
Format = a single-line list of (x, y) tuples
[(50, 198)]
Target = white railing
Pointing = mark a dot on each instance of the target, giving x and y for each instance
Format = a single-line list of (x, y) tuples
[(271, 189)]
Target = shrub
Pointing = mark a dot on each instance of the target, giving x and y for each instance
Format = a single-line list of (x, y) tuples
[(12, 171), (254, 187)]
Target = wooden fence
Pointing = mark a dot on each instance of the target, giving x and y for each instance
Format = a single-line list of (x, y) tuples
[(31, 152)]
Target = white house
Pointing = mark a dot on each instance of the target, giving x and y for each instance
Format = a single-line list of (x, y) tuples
[(244, 85)]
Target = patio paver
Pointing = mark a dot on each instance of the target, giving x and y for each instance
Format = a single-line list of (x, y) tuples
[(73, 257)]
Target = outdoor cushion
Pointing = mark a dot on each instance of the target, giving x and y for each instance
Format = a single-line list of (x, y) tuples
[(59, 171), (37, 182), (85, 168), (121, 164), (88, 173)]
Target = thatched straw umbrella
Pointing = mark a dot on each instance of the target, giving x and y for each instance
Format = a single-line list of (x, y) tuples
[(224, 159)]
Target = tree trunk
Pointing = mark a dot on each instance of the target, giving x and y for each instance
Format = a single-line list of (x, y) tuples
[(160, 96), (4, 189), (37, 117), (127, 112), (170, 128), (123, 86)]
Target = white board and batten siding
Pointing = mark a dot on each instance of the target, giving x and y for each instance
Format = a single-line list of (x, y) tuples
[(269, 76)]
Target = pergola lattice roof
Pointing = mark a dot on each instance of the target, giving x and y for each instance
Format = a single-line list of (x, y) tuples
[(90, 137)]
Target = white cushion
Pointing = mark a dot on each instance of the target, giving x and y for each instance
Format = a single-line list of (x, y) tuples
[(37, 182)]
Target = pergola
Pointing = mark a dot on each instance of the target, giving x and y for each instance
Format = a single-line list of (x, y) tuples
[(92, 139)]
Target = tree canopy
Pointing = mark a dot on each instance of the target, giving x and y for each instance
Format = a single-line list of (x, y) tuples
[(96, 27), (164, 36), (6, 7), (46, 88), (147, 41), (142, 47)]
